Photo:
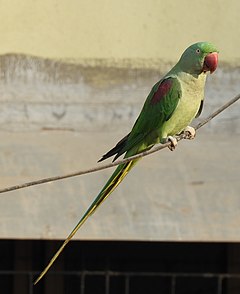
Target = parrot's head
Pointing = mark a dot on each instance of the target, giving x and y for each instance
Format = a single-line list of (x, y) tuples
[(199, 58)]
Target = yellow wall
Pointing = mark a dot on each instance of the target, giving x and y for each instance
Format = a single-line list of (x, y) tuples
[(118, 29)]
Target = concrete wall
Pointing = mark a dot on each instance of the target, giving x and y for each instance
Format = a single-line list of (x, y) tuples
[(113, 29), (73, 78)]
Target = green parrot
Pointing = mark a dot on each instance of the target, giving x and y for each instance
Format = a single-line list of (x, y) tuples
[(170, 107)]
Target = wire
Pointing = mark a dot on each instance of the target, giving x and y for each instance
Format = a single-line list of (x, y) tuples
[(102, 167)]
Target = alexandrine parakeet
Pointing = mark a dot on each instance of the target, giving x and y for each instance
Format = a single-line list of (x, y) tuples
[(172, 104)]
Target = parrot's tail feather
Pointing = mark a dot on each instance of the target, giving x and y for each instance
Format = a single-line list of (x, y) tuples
[(116, 178), (116, 150)]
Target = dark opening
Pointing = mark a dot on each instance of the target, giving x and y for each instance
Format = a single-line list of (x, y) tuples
[(113, 267)]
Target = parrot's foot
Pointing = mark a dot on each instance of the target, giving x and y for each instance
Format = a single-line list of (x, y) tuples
[(173, 141), (189, 132)]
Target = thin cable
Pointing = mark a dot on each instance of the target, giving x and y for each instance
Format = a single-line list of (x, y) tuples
[(101, 167)]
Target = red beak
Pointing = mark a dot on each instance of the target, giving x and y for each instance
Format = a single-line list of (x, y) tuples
[(210, 62)]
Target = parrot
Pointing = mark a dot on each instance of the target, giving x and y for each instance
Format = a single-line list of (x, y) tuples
[(173, 102)]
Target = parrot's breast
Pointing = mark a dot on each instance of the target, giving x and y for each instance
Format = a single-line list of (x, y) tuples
[(188, 106)]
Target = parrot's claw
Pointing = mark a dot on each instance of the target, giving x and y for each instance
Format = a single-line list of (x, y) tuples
[(173, 141), (189, 132)]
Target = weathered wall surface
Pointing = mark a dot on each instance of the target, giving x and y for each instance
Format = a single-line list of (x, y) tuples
[(73, 78), (41, 94)]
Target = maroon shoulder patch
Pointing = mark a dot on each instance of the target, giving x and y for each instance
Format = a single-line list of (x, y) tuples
[(162, 90)]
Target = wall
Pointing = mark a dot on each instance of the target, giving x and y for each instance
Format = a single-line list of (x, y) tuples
[(74, 76), (113, 29)]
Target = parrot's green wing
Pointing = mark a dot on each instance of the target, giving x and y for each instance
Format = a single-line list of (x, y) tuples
[(200, 109), (158, 108)]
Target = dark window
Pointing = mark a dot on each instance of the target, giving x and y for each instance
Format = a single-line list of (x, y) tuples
[(121, 267)]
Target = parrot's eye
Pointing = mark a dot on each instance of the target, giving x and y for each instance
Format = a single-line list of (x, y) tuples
[(198, 51)]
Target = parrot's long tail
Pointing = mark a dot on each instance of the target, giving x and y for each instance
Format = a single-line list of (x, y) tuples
[(116, 178)]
